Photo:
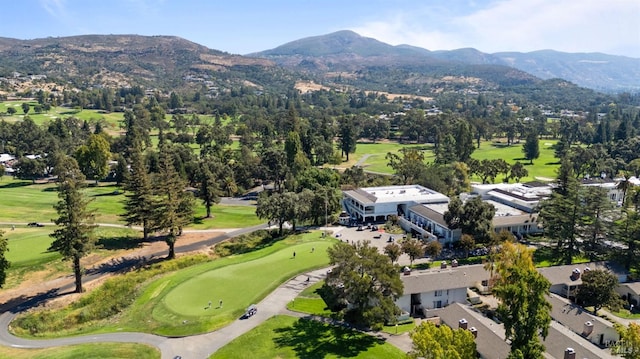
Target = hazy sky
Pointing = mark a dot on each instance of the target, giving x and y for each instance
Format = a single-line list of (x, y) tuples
[(244, 26)]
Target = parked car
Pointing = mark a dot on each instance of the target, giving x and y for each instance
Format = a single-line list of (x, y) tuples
[(360, 228), (374, 228)]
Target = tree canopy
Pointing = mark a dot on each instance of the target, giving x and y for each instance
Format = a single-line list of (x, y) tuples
[(366, 281), (441, 342)]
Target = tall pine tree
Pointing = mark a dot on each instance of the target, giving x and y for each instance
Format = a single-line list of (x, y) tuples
[(74, 236)]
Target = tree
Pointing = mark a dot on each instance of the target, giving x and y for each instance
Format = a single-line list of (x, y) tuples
[(209, 189), (348, 135), (531, 147), (467, 243), (598, 290), (30, 169), (11, 111), (4, 263), (442, 342), (629, 345), (393, 251), (367, 281), (174, 204), (409, 167), (518, 171), (593, 223), (277, 207), (25, 107), (474, 217), (73, 238), (433, 248), (523, 307), (93, 158), (139, 205), (559, 215), (413, 248)]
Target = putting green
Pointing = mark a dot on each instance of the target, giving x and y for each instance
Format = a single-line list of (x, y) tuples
[(242, 284)]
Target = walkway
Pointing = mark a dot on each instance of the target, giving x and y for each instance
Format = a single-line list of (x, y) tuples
[(196, 346), (191, 347)]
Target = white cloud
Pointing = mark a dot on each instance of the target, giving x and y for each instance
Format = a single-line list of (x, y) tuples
[(55, 8), (610, 26)]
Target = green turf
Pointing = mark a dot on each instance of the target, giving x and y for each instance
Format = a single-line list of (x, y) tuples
[(238, 285), (226, 216), (310, 302), (288, 337), (97, 350), (111, 119), (28, 247), (174, 304), (543, 167), (399, 329)]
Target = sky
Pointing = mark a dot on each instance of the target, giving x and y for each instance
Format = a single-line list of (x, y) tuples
[(246, 26)]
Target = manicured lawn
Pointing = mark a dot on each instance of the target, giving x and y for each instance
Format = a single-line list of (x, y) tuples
[(401, 328), (24, 201), (28, 247), (288, 337), (98, 350), (112, 119), (310, 301), (238, 285), (175, 304), (543, 167), (226, 216), (545, 257)]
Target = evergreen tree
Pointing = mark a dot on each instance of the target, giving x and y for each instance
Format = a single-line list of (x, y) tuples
[(174, 204), (4, 263), (531, 147), (209, 189), (139, 204), (73, 238)]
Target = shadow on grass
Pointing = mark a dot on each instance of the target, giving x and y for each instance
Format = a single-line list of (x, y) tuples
[(123, 242), (16, 184), (108, 194), (311, 339), (546, 256)]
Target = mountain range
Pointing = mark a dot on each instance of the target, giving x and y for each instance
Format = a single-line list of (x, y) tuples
[(343, 58), (347, 49)]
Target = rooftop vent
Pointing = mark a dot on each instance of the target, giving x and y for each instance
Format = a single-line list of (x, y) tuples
[(454, 263), (474, 331), (569, 353), (575, 274), (588, 329), (462, 323), (443, 265)]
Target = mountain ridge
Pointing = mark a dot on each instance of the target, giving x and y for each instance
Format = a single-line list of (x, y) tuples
[(598, 71)]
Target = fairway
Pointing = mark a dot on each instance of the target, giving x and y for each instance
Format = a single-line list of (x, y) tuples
[(28, 247), (242, 284)]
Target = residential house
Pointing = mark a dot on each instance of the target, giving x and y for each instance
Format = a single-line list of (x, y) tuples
[(436, 288), (565, 279)]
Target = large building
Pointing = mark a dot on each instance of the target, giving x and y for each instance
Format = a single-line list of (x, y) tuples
[(376, 204)]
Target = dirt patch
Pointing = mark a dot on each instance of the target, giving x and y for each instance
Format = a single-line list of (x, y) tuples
[(40, 282)]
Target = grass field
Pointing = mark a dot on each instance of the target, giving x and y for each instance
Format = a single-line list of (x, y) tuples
[(288, 337), (543, 167), (174, 304), (112, 119), (99, 350), (310, 302)]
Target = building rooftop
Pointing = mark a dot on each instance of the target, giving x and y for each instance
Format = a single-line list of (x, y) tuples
[(562, 274), (442, 279), (574, 316), (392, 194), (490, 341)]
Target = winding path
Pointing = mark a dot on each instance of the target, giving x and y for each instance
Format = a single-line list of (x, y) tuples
[(190, 347), (195, 346)]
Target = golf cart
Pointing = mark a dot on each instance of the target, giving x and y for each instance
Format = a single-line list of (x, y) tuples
[(251, 310)]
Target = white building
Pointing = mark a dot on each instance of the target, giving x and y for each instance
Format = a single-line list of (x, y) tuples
[(376, 204)]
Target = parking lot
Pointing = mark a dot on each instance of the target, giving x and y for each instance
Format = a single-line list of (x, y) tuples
[(378, 239)]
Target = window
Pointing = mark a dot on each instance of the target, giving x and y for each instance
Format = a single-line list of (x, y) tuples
[(437, 304), (438, 293)]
